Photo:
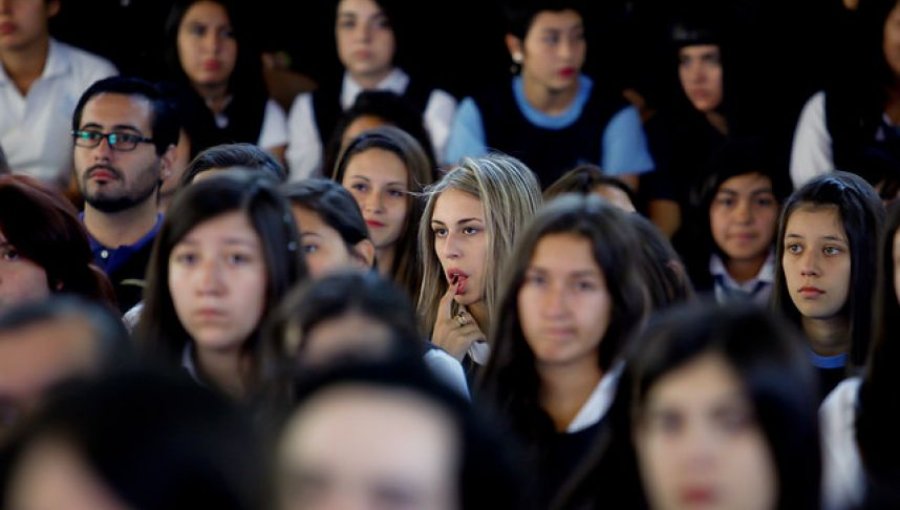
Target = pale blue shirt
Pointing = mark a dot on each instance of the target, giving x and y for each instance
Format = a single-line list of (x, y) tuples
[(624, 143)]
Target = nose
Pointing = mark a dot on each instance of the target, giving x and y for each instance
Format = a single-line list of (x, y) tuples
[(363, 32), (452, 248), (103, 151), (698, 449), (809, 263), (743, 213), (554, 301), (374, 202), (209, 278)]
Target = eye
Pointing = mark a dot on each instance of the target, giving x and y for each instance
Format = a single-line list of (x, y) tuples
[(10, 254), (793, 248), (359, 186), (396, 193), (585, 285), (765, 202), (535, 279), (725, 202), (439, 231), (470, 231), (832, 250), (185, 258), (346, 24), (310, 248), (125, 137), (197, 30), (89, 134), (551, 39), (239, 259)]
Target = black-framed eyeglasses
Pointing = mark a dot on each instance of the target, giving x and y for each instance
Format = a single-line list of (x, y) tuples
[(122, 141)]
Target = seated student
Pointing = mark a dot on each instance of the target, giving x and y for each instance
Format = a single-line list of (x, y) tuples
[(333, 234), (232, 155), (472, 218), (227, 252), (826, 255), (353, 314), (388, 435), (572, 297), (729, 238), (44, 248), (586, 179), (209, 52), (371, 44), (716, 409), (723, 412), (859, 418), (550, 115), (45, 343), (860, 108), (140, 440), (386, 170), (41, 80), (374, 108)]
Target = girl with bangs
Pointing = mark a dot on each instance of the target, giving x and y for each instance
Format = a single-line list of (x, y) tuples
[(571, 297), (227, 252)]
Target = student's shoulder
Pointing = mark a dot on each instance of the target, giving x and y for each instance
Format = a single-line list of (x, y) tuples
[(85, 63)]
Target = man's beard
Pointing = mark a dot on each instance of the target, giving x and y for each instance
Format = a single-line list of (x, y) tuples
[(118, 202)]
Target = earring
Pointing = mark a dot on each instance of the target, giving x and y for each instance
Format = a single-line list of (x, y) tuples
[(516, 66)]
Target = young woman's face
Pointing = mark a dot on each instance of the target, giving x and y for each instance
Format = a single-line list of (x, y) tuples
[(379, 181), (700, 72), (323, 247), (366, 447), (743, 217), (21, 280), (365, 39), (553, 51), (564, 305), (217, 278), (699, 444), (207, 48), (461, 243), (816, 261), (891, 44)]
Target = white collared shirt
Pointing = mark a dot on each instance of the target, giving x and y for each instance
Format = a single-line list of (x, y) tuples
[(758, 289), (304, 152), (598, 403), (35, 130)]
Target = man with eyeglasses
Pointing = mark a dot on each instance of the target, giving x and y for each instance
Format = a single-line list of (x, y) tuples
[(125, 134)]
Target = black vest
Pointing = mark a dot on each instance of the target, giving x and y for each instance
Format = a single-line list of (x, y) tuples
[(326, 103), (549, 153)]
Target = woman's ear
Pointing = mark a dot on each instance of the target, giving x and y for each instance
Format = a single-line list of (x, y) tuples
[(514, 45), (364, 252)]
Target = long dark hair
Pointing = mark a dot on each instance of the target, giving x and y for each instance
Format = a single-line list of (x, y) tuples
[(405, 271), (510, 380), (334, 205), (44, 228), (246, 84), (767, 356), (270, 216), (879, 406), (862, 215)]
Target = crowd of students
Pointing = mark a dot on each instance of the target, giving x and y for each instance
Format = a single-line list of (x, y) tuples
[(559, 290)]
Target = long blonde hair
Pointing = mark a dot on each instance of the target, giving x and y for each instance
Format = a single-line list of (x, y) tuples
[(510, 196)]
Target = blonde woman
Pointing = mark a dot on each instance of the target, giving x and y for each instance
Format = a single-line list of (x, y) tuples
[(466, 234)]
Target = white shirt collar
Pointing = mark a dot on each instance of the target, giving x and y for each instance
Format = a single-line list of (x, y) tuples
[(396, 82), (766, 272), (187, 362), (598, 402)]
